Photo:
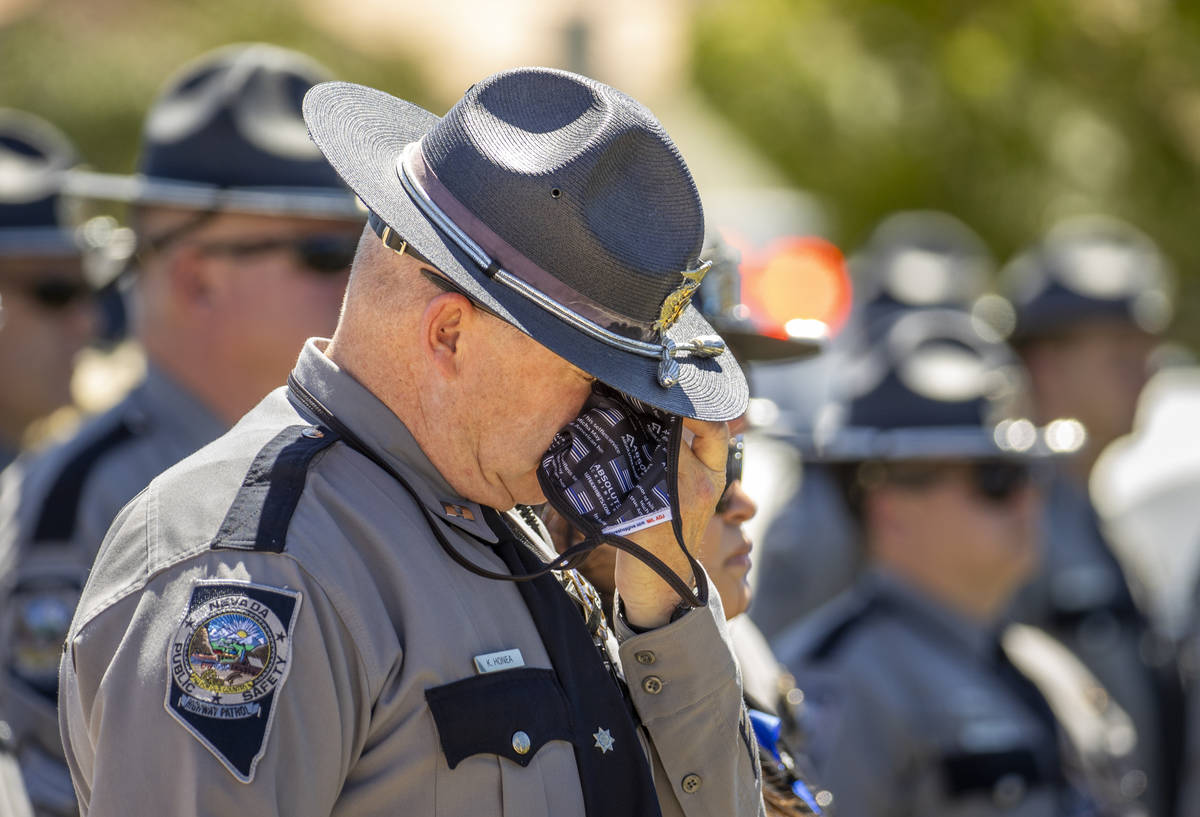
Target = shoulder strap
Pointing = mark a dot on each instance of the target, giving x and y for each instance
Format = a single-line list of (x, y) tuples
[(260, 514), (60, 509)]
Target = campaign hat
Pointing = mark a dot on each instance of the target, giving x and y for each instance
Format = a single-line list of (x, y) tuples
[(937, 385), (34, 156), (1088, 268), (226, 134), (556, 202)]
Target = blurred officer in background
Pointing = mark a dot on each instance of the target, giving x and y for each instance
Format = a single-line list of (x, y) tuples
[(1089, 303), (245, 239), (46, 310), (913, 260), (916, 709), (46, 317)]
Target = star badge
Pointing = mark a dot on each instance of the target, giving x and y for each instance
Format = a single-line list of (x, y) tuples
[(604, 741)]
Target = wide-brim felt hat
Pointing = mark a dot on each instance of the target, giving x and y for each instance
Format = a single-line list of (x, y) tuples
[(1088, 268), (226, 134), (934, 387), (34, 157), (558, 203)]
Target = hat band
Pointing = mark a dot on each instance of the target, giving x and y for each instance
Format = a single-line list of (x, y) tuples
[(418, 179)]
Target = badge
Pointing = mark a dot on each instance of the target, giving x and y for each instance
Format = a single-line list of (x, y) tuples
[(674, 304), (228, 660)]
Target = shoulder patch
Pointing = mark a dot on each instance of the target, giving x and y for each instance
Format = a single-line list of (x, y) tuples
[(60, 508), (227, 661), (260, 514)]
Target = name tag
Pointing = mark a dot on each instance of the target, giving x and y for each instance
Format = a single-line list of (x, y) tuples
[(495, 661)]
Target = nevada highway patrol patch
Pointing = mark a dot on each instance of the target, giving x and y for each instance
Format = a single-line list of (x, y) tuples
[(227, 662)]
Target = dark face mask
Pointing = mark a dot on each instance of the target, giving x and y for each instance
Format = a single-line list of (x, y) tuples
[(612, 471)]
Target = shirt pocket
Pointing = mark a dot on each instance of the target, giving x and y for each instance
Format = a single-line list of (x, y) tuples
[(506, 717), (512, 713)]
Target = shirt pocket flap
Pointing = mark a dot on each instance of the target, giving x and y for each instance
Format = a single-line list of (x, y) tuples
[(484, 714)]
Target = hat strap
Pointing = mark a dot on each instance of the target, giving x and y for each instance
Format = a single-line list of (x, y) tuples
[(666, 351)]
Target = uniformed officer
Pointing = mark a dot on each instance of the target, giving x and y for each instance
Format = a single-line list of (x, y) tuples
[(915, 707), (1090, 302), (46, 312), (913, 259), (245, 240), (305, 618)]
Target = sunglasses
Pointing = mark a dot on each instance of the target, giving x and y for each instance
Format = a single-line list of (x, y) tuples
[(56, 293), (325, 255), (995, 481), (733, 470)]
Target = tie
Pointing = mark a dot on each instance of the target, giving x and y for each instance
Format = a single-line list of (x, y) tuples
[(613, 771)]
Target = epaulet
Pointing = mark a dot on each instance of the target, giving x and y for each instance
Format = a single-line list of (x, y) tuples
[(260, 514), (833, 630), (60, 508)]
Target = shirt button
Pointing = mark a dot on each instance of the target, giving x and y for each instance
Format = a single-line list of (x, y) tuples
[(691, 783), (652, 684), (644, 657), (313, 433), (521, 743)]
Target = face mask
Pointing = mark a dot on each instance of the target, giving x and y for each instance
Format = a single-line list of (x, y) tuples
[(612, 472)]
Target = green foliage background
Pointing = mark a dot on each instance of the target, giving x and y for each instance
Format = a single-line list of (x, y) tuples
[(1007, 113)]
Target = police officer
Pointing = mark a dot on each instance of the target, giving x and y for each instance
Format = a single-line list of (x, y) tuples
[(46, 317), (1090, 302), (245, 240), (309, 616), (46, 312), (916, 708), (914, 259)]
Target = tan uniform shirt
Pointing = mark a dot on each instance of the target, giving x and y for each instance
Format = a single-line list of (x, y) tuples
[(55, 508), (343, 631)]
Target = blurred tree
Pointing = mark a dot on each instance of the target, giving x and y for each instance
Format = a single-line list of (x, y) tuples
[(1007, 113), (93, 66)]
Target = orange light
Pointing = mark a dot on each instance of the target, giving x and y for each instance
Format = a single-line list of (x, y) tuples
[(796, 278)]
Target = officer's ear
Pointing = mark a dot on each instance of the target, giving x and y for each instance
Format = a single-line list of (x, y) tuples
[(444, 322)]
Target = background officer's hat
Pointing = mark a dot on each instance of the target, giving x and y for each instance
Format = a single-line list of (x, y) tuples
[(34, 156), (1087, 268), (934, 387), (919, 259), (226, 133), (719, 299)]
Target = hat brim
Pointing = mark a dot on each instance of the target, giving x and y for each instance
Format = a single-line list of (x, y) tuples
[(860, 444), (752, 347), (299, 202), (363, 132)]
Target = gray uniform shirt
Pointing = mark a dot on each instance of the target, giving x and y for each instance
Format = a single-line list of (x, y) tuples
[(1080, 595), (909, 716), (55, 508), (351, 613)]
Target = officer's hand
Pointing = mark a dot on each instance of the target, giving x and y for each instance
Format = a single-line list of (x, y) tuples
[(649, 601)]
